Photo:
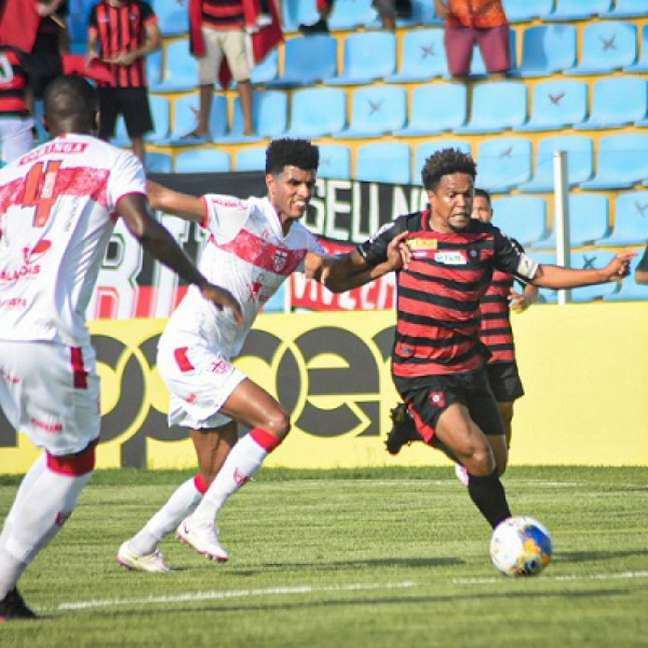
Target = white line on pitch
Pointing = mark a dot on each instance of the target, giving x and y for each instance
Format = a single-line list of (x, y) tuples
[(567, 577), (218, 596)]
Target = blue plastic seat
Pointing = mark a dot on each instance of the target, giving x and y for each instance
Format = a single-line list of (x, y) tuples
[(621, 162), (158, 162), (607, 46), (503, 163), (616, 102), (173, 17), (334, 161), (265, 71), (317, 111), (526, 10), (588, 220), (424, 57), (383, 162), (349, 14), (154, 69), (629, 289), (251, 159), (376, 110), (477, 65), (308, 60), (436, 108), (630, 219), (180, 69), (424, 151), (186, 110), (497, 106), (367, 56), (556, 105), (159, 115), (77, 21), (269, 117), (547, 49), (579, 151), (522, 217), (587, 260), (202, 161), (641, 64), (627, 9), (569, 10), (296, 12)]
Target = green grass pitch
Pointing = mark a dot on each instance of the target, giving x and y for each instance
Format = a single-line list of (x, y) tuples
[(375, 558)]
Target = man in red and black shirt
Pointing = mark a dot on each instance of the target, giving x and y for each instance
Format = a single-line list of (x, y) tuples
[(437, 359), (121, 34)]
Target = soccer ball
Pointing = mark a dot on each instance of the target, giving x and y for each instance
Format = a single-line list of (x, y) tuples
[(521, 546)]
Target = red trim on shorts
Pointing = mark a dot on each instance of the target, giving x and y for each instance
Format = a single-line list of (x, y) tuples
[(266, 440), (425, 430), (79, 373), (200, 484), (73, 465), (180, 355)]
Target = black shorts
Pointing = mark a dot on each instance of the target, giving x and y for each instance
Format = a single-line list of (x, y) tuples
[(505, 382), (133, 103), (428, 397)]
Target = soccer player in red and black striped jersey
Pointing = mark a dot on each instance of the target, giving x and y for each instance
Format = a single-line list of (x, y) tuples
[(121, 33), (437, 359)]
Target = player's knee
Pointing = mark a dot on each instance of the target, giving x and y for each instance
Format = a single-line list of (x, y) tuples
[(278, 424), (481, 461)]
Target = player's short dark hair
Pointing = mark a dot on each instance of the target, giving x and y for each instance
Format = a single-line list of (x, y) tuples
[(71, 98), (291, 152), (484, 194), (446, 162)]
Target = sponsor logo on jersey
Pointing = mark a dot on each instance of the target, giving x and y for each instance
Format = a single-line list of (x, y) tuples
[(422, 244), (29, 267), (220, 367), (51, 428), (450, 257), (8, 377)]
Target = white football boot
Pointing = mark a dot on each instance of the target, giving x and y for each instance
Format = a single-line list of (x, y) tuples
[(461, 474), (153, 562), (204, 539)]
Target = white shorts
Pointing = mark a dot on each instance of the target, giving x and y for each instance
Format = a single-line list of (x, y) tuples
[(50, 391), (16, 137), (200, 379), (234, 44)]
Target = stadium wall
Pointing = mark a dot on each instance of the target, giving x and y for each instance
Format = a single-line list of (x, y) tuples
[(585, 369)]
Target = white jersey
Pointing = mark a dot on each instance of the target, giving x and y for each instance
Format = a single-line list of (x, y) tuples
[(57, 212), (246, 253)]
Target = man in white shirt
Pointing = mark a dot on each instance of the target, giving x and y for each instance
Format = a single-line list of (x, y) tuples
[(58, 206)]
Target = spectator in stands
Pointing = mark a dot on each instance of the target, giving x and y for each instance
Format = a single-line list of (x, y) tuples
[(121, 33), (475, 21), (641, 271), (388, 10)]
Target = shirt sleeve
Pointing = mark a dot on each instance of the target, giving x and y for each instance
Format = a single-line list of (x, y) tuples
[(148, 15), (374, 249), (225, 216), (643, 262), (510, 257), (126, 177)]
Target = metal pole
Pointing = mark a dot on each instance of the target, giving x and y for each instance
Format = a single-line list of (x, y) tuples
[(561, 216)]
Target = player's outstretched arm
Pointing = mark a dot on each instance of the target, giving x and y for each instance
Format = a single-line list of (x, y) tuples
[(157, 241), (175, 203), (551, 276)]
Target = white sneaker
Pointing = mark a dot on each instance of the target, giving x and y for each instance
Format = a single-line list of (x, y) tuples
[(153, 562), (204, 539), (461, 473)]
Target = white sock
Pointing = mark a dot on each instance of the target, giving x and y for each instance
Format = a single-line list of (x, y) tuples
[(35, 520), (181, 504), (242, 462)]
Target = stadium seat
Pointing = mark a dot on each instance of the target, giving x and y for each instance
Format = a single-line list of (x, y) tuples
[(477, 65), (158, 162), (251, 159), (383, 162), (423, 13), (547, 49), (266, 70), (642, 62), (154, 69), (376, 110), (317, 111), (627, 9), (423, 57), (308, 60), (77, 21), (579, 151), (436, 108), (527, 10), (269, 117), (616, 102), (335, 162), (423, 151), (607, 46), (593, 259), (522, 217), (349, 14), (367, 56), (173, 17), (569, 10), (630, 219), (297, 11), (629, 289), (621, 162), (503, 163), (160, 117), (496, 106), (588, 220), (186, 115), (556, 105), (202, 161), (180, 69)]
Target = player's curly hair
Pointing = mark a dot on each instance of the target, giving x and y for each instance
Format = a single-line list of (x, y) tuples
[(291, 152), (446, 162)]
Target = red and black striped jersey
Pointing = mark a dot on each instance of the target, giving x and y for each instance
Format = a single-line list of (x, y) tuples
[(437, 330), (223, 14), (119, 30), (13, 82)]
